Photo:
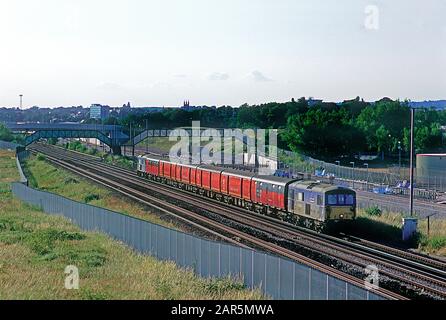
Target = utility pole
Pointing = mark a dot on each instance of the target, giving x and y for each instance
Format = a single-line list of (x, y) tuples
[(412, 151), (367, 182), (399, 156)]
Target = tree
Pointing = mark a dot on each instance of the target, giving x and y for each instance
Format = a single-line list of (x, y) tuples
[(383, 124), (5, 134), (321, 133)]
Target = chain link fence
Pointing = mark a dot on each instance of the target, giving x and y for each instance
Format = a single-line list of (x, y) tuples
[(8, 145), (426, 187)]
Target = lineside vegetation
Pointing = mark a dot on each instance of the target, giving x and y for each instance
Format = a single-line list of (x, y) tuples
[(36, 247)]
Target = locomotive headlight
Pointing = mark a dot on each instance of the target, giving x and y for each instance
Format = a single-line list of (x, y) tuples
[(341, 216)]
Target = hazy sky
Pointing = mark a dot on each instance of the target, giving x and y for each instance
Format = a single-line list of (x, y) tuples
[(78, 52)]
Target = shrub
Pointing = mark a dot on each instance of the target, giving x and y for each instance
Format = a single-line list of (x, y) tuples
[(41, 157), (70, 180), (92, 151), (374, 211), (91, 197), (437, 242)]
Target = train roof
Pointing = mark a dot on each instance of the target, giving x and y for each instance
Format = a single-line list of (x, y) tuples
[(192, 166), (317, 186), (274, 179), (238, 173), (211, 168), (151, 157)]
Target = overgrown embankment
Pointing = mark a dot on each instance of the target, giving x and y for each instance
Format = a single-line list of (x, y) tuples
[(35, 249), (386, 226)]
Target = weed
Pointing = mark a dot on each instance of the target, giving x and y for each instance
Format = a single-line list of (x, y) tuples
[(374, 211), (91, 197)]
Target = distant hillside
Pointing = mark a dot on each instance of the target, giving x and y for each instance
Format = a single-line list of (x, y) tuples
[(439, 104)]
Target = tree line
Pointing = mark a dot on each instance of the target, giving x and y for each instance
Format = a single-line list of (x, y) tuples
[(323, 130), (319, 129)]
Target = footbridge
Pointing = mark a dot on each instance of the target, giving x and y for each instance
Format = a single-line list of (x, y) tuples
[(111, 135)]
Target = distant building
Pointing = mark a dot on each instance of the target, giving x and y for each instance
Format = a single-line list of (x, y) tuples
[(437, 105), (313, 102), (187, 107), (99, 112), (125, 110)]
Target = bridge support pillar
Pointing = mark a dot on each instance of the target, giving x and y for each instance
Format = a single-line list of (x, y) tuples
[(116, 150)]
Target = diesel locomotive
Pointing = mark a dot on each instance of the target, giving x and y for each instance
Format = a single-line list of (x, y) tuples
[(312, 204)]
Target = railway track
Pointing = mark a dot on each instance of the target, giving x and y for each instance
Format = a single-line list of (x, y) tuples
[(425, 274)]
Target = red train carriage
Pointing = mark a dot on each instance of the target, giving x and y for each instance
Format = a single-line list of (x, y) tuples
[(173, 171), (152, 166), (165, 169), (270, 191), (237, 183), (188, 174), (210, 177)]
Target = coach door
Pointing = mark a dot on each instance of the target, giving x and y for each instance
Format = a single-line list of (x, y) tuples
[(307, 209)]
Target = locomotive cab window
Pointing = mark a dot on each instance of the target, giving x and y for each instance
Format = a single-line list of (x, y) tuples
[(300, 196), (341, 199), (319, 200), (349, 199), (332, 199)]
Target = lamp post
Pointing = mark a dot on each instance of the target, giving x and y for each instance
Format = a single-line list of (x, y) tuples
[(367, 180), (399, 156), (390, 146), (353, 172)]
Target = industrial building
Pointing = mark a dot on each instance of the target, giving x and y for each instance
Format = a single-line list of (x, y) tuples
[(100, 112), (430, 168)]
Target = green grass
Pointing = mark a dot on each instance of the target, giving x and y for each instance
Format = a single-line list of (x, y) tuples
[(35, 248), (119, 161), (386, 227), (44, 176), (162, 144), (116, 160)]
